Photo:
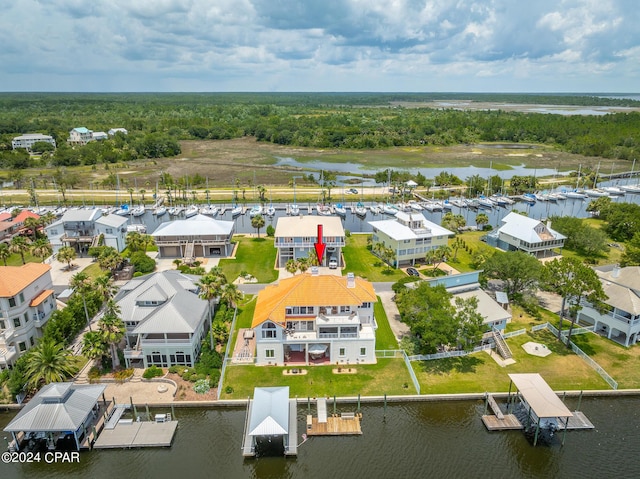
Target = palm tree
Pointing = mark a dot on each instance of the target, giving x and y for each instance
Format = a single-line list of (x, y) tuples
[(112, 329), (257, 222), (177, 262), (93, 345), (81, 283), (67, 254), (147, 242), (20, 245), (48, 218), (481, 220), (5, 252), (130, 191), (230, 294), (32, 223), (48, 362), (104, 286), (292, 266), (41, 248), (210, 288), (110, 259), (142, 192), (133, 240)]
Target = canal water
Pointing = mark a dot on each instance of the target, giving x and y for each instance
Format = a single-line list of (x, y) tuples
[(416, 440)]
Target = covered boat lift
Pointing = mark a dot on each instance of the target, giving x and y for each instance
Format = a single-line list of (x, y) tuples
[(544, 407)]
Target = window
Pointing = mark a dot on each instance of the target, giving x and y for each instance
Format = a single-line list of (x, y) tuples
[(363, 351), (31, 341), (342, 352), (345, 309), (270, 353), (109, 231), (3, 325), (21, 298), (12, 302), (22, 346), (26, 318), (16, 322), (269, 331), (366, 305)]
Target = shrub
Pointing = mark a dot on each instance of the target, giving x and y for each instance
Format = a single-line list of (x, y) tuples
[(185, 372), (137, 274), (152, 372), (174, 369), (347, 233), (142, 262), (228, 390), (271, 230), (94, 373), (214, 378), (201, 386), (124, 374)]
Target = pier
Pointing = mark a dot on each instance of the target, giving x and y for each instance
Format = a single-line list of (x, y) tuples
[(498, 421), (344, 424), (127, 433)]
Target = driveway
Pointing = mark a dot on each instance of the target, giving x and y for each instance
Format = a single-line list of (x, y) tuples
[(385, 292)]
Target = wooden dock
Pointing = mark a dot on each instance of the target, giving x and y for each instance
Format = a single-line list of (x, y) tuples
[(337, 425), (137, 434), (578, 421), (498, 421)]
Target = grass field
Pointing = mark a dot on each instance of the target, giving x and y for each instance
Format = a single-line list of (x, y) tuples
[(388, 376), (256, 256), (363, 263), (385, 339), (464, 258)]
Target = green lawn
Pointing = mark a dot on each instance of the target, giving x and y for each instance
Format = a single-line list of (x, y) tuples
[(360, 261), (93, 271), (256, 256), (562, 369), (622, 364), (387, 376), (16, 260), (246, 307), (464, 258), (385, 339)]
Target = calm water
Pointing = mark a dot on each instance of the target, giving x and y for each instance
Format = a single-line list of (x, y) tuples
[(417, 440)]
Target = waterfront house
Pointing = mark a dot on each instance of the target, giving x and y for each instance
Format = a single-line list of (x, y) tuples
[(410, 235), (60, 415), (113, 229), (619, 317), (165, 319), (11, 226), (521, 233), (198, 236), (80, 136), (26, 304), (295, 237), (316, 319), (27, 140)]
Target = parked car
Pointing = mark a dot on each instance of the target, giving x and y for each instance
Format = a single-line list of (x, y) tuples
[(333, 263), (353, 191), (413, 272)]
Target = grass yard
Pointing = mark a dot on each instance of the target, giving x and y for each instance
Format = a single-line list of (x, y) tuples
[(622, 364), (464, 258), (360, 261), (246, 307), (387, 376), (385, 339), (16, 260), (256, 256), (93, 271), (562, 369)]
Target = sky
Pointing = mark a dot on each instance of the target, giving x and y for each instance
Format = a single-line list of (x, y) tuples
[(320, 45)]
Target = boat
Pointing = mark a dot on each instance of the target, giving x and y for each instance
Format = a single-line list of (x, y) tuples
[(136, 229), (375, 209), (294, 209), (159, 211), (270, 211), (255, 211), (485, 202), (360, 210), (210, 210), (446, 205), (529, 197), (631, 188), (576, 195), (340, 210), (414, 205), (458, 202), (323, 210), (389, 209), (236, 211), (124, 210), (138, 211), (557, 197), (191, 211), (613, 190), (595, 193)]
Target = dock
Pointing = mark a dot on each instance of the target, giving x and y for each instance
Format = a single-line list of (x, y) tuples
[(498, 421), (126, 435), (578, 421), (345, 424)]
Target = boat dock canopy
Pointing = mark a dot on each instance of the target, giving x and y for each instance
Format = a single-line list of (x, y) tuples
[(544, 402)]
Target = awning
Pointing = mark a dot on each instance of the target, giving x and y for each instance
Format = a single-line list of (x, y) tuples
[(318, 348), (41, 297)]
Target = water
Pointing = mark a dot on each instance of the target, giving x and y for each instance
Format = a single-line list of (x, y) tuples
[(426, 439)]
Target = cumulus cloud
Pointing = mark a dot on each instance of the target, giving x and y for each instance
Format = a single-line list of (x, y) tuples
[(319, 45)]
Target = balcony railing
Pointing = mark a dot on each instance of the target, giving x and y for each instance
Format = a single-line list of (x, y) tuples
[(5, 358), (611, 315)]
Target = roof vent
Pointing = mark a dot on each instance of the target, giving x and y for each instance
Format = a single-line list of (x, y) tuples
[(315, 271), (351, 280), (616, 271)]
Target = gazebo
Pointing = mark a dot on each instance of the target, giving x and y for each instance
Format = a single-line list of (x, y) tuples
[(57, 411), (544, 407)]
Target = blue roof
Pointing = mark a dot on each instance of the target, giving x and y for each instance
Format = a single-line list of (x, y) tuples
[(82, 129)]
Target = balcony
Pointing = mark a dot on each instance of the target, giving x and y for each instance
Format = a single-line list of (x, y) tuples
[(8, 355), (614, 320), (8, 335), (133, 354)]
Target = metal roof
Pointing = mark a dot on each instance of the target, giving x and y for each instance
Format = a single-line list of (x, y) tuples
[(307, 226), (81, 214), (198, 225), (57, 407), (489, 309), (536, 392), (395, 229), (501, 297), (112, 220), (523, 228), (270, 412)]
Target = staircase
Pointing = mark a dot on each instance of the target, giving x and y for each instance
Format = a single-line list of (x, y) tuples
[(501, 345), (188, 252)]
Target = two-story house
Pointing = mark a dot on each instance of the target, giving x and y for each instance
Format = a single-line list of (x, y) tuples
[(165, 319), (80, 229), (10, 225), (296, 236), (80, 136), (27, 140), (619, 316), (410, 235), (316, 319), (521, 233), (26, 303)]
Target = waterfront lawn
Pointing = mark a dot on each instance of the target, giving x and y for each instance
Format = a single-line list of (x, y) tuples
[(622, 364), (360, 261), (464, 258), (385, 339), (246, 307), (16, 260), (478, 372), (256, 256), (93, 271), (387, 376)]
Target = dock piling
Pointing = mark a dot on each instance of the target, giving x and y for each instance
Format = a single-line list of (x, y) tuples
[(385, 407), (579, 401), (146, 406)]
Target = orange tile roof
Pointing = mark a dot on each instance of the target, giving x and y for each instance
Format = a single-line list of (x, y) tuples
[(14, 279), (308, 290), (23, 215), (5, 216), (44, 294)]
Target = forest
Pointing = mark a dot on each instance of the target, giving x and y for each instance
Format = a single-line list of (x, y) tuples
[(157, 122)]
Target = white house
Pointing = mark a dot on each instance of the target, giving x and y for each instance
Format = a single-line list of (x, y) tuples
[(80, 136), (198, 236), (410, 235), (521, 233), (113, 131), (26, 303), (621, 318), (316, 319), (296, 236), (99, 135), (114, 230), (27, 140), (165, 319)]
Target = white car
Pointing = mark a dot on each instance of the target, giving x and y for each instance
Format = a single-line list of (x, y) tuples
[(333, 263)]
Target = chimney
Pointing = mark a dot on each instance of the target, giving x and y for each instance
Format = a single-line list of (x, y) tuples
[(351, 280), (315, 271), (548, 224), (615, 273)]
